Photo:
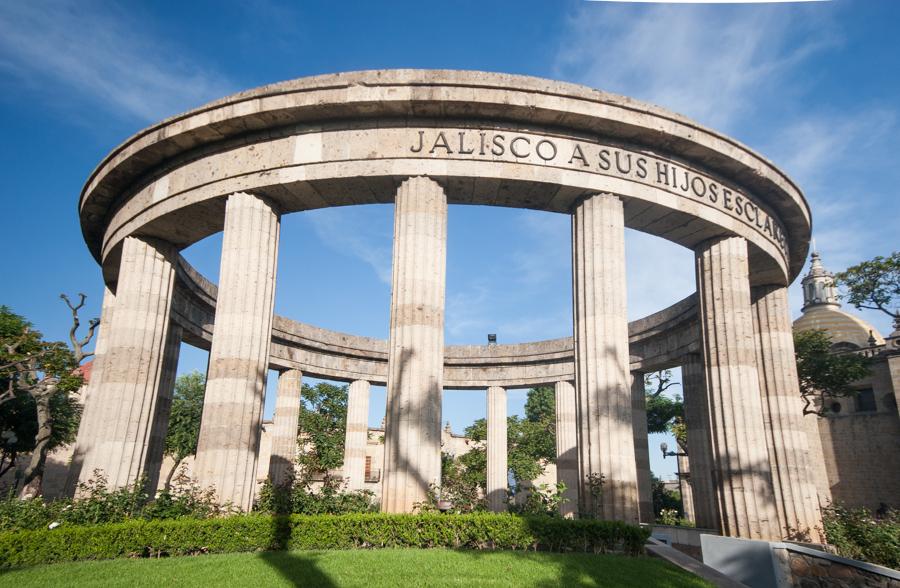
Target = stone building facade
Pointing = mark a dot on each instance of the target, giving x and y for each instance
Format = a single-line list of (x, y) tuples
[(859, 435)]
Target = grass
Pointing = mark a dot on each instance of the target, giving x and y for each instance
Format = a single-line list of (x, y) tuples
[(368, 568)]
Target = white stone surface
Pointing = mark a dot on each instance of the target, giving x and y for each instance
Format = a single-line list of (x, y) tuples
[(796, 498), (284, 427), (602, 378), (357, 435), (133, 365), (497, 470), (238, 361), (412, 455), (566, 450), (641, 448), (699, 448), (160, 426), (741, 470)]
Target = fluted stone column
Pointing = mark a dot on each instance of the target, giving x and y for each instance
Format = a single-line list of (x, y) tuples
[(497, 470), (566, 450), (87, 430), (796, 498), (742, 474), (699, 447), (602, 378), (284, 427), (132, 367), (163, 407), (687, 491), (238, 360), (641, 447), (357, 436), (412, 452)]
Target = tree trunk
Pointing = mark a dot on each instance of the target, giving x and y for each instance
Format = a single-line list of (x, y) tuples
[(34, 474), (172, 472)]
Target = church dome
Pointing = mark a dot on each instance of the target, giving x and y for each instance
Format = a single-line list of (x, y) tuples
[(822, 310)]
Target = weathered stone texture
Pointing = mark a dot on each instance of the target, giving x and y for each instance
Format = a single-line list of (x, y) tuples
[(497, 471), (88, 429), (742, 475), (796, 499), (641, 447), (285, 427), (239, 358), (160, 425), (602, 378), (133, 365), (566, 450), (412, 459), (357, 435), (696, 416)]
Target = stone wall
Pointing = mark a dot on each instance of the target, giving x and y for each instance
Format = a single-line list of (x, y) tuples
[(860, 448), (813, 571)]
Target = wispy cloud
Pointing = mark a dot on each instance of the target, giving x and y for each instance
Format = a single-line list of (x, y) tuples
[(709, 63), (101, 53), (364, 232)]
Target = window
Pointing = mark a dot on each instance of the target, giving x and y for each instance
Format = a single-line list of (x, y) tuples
[(865, 400), (368, 467)]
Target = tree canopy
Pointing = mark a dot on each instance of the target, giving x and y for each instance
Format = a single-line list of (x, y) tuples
[(874, 284), (37, 379), (323, 416), (184, 418), (822, 373)]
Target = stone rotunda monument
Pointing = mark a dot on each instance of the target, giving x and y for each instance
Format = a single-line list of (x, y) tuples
[(423, 140)]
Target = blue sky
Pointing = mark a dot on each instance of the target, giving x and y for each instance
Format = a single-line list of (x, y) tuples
[(814, 87)]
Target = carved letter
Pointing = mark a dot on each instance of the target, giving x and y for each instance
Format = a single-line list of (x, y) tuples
[(662, 173), (577, 153), (619, 165), (441, 141), (702, 185), (537, 149), (604, 160), (498, 149), (641, 168), (413, 148), (462, 148), (512, 146), (713, 192)]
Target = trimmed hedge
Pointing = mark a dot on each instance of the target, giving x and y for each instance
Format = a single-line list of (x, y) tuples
[(259, 533)]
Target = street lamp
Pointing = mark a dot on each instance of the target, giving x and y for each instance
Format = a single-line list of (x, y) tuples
[(664, 447)]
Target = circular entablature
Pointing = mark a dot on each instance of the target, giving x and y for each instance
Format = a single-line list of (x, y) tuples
[(488, 139)]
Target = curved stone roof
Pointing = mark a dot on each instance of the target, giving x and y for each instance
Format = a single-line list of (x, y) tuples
[(841, 325), (310, 143)]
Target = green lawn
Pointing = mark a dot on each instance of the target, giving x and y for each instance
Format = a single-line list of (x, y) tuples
[(368, 568)]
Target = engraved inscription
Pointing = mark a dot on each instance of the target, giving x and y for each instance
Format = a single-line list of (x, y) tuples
[(599, 158)]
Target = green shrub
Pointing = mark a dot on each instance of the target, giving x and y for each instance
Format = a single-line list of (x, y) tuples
[(139, 538), (300, 497), (98, 504), (855, 533)]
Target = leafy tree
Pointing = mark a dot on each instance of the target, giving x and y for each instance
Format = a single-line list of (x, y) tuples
[(663, 498), (531, 442), (184, 419), (40, 376), (824, 374), (874, 284), (665, 414), (323, 418)]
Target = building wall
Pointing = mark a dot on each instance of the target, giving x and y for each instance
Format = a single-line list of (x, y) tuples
[(862, 448)]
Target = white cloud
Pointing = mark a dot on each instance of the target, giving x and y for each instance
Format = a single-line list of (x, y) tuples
[(101, 53), (364, 232), (708, 63)]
